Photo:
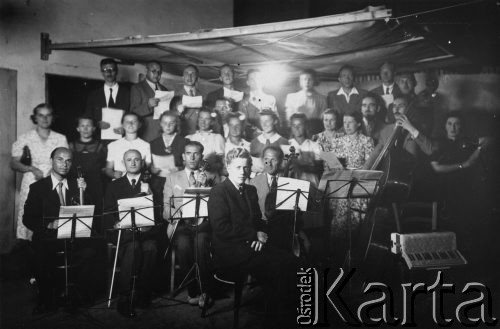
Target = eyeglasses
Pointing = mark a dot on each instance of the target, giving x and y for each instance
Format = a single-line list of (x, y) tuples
[(108, 70)]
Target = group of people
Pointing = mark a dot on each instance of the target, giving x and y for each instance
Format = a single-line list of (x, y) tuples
[(235, 135)]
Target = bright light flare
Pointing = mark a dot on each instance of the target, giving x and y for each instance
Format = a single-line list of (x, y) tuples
[(273, 75)]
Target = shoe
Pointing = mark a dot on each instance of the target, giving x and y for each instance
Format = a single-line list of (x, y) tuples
[(205, 301), (193, 301), (123, 307)]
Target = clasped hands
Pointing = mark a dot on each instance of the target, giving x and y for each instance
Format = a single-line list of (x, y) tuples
[(260, 242)]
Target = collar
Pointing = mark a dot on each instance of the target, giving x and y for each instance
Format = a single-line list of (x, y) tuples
[(235, 184), (115, 86), (199, 132), (188, 172), (388, 86), (273, 138), (152, 85), (188, 88), (270, 177), (172, 137), (133, 176), (56, 181), (353, 91)]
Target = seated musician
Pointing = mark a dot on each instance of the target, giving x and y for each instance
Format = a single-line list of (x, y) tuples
[(307, 165), (411, 147), (238, 238), (183, 233), (138, 262), (278, 222), (40, 210)]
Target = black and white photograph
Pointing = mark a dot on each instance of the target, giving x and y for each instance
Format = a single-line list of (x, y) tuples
[(249, 164)]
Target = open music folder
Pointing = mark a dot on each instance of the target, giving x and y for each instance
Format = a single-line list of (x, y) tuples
[(83, 221)]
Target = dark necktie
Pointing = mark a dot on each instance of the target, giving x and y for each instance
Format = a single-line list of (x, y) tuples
[(240, 189), (387, 91), (111, 102), (268, 142), (60, 192), (156, 87), (133, 184), (191, 92), (192, 180)]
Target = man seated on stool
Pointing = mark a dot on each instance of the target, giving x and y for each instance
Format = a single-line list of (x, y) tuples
[(141, 262), (238, 238), (183, 233), (279, 222), (45, 198)]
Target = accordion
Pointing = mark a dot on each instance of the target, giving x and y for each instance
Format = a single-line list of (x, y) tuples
[(434, 250)]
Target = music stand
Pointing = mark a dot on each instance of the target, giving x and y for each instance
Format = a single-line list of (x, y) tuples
[(131, 214), (199, 194), (349, 184), (71, 216), (301, 193)]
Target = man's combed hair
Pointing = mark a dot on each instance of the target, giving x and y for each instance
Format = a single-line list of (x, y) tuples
[(238, 152)]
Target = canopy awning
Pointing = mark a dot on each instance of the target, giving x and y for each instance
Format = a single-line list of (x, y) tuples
[(363, 39)]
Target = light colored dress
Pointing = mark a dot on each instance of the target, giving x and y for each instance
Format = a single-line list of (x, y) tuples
[(356, 149), (40, 158)]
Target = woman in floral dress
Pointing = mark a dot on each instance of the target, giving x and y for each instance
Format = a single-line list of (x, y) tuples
[(326, 137), (40, 141), (354, 148)]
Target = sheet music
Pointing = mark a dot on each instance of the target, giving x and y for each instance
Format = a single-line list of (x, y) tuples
[(235, 95), (192, 101), (388, 99), (165, 98), (287, 187), (83, 227), (164, 162), (331, 159), (339, 183), (188, 207), (143, 217), (114, 118)]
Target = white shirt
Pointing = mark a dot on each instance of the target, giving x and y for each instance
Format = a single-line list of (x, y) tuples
[(168, 142), (263, 101), (353, 91), (212, 143), (56, 181), (270, 178), (311, 103), (188, 89), (114, 92), (391, 87), (272, 139), (133, 176), (117, 149), (229, 145)]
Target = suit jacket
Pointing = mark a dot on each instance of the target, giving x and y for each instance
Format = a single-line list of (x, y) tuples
[(418, 148), (235, 220), (96, 100), (339, 103), (215, 95), (120, 189), (140, 93), (43, 201), (262, 186), (189, 118), (177, 146), (380, 90), (175, 185)]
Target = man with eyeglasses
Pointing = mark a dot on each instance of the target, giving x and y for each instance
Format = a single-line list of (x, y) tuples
[(143, 101), (113, 95)]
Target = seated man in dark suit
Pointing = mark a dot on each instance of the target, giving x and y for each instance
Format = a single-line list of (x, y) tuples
[(140, 261), (143, 101), (347, 98), (238, 238), (42, 206), (183, 233), (112, 94), (227, 91)]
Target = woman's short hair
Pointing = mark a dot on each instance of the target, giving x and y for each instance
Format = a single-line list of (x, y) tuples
[(330, 112), (41, 106), (358, 117), (84, 117), (240, 153), (127, 114)]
